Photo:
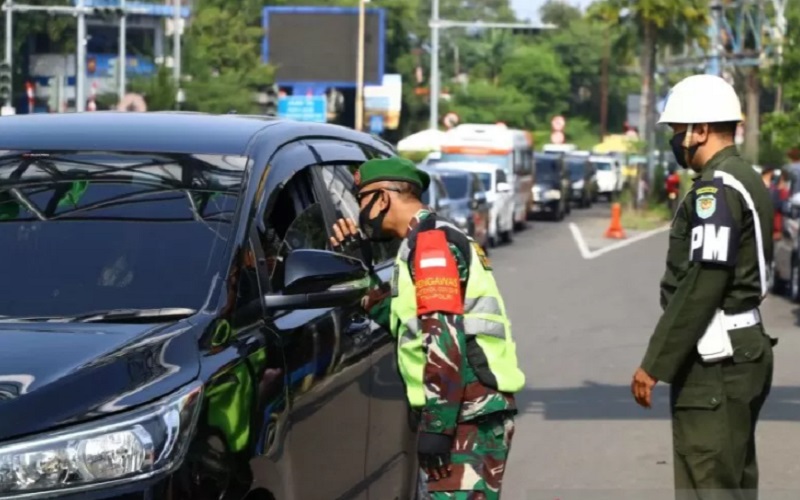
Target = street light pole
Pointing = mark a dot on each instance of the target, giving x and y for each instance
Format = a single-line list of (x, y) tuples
[(176, 49), (80, 64), (434, 85), (360, 68), (9, 47), (122, 63)]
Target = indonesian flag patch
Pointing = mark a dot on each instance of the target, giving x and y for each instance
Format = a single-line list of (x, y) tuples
[(436, 275)]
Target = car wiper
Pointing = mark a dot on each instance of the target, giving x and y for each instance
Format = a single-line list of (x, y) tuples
[(110, 315)]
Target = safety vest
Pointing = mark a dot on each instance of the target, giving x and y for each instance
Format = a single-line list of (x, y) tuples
[(491, 351)]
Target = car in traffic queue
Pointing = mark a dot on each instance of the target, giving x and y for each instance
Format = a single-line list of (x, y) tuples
[(581, 177), (499, 194), (608, 175), (467, 202), (552, 187), (178, 326), (785, 271), (435, 197)]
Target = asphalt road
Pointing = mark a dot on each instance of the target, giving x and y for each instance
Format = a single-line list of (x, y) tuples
[(582, 327)]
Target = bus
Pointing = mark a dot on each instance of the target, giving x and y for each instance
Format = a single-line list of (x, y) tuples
[(509, 149)]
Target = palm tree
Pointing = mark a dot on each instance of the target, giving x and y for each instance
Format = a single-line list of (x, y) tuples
[(657, 23)]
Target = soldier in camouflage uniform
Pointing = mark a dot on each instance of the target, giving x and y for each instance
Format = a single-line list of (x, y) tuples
[(465, 406)]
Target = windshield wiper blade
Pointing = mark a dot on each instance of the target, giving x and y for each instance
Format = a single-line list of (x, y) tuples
[(109, 315)]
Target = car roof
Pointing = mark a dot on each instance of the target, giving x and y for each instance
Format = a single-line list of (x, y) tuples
[(601, 158), (156, 132), (466, 165), (549, 155)]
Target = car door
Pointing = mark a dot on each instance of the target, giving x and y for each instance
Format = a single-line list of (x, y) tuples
[(328, 367), (390, 461)]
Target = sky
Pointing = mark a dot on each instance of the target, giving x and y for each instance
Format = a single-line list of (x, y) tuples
[(529, 9)]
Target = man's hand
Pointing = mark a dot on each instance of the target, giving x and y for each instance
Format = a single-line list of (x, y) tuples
[(344, 232), (433, 451), (642, 388)]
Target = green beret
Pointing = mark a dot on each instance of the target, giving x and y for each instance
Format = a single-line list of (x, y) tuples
[(391, 169)]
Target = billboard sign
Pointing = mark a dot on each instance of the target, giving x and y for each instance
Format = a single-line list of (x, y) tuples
[(319, 45)]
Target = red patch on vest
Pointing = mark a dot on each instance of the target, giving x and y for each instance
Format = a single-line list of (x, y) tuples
[(436, 275)]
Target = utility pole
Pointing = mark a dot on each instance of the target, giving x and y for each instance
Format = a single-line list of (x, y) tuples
[(433, 88), (436, 23), (715, 63), (360, 68), (9, 51), (122, 63), (604, 84), (176, 50), (80, 63)]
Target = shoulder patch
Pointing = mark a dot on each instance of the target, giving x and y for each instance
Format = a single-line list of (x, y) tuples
[(714, 236), (436, 276)]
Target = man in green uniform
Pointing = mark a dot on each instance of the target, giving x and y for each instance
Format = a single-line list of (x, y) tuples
[(454, 346), (709, 343)]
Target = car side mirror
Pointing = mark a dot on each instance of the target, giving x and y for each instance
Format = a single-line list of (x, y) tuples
[(503, 187), (319, 278)]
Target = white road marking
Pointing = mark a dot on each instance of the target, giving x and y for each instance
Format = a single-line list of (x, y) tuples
[(589, 254)]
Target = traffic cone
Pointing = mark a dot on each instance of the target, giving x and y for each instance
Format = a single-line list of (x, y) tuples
[(615, 230)]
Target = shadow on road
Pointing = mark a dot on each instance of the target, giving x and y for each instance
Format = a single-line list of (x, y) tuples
[(595, 401)]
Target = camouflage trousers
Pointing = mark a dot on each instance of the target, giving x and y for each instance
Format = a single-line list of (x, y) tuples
[(479, 454)]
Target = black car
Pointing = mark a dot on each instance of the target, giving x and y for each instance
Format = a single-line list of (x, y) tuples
[(468, 205), (581, 180), (551, 188), (174, 323)]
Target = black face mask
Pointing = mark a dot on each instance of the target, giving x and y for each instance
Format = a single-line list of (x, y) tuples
[(679, 151), (373, 227)]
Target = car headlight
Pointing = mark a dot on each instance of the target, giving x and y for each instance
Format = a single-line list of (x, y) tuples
[(578, 185), (460, 220), (122, 448), (553, 194)]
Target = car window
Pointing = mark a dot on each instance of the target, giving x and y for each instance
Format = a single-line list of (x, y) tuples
[(339, 182), (294, 222), (84, 232), (457, 185), (501, 176)]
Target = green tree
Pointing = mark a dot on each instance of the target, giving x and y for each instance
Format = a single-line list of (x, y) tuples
[(537, 72), (483, 102), (223, 59), (658, 23), (559, 13), (159, 92)]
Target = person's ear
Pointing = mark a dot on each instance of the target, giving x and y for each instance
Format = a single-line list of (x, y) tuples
[(701, 133)]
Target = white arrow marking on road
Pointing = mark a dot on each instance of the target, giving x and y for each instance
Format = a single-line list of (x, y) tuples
[(589, 254)]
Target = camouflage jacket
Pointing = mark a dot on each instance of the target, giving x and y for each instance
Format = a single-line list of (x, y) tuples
[(453, 392)]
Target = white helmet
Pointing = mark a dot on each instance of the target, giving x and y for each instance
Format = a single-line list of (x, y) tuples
[(702, 99)]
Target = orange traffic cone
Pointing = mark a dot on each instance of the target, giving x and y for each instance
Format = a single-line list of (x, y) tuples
[(615, 228)]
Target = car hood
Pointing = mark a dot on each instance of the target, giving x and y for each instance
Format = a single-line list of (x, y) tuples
[(53, 374)]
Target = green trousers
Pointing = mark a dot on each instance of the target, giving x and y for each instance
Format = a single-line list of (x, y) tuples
[(715, 408), (478, 456)]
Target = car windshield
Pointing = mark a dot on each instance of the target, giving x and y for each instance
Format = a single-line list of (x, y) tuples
[(546, 170), (501, 161), (602, 166), (486, 180), (94, 231), (576, 170), (456, 185)]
